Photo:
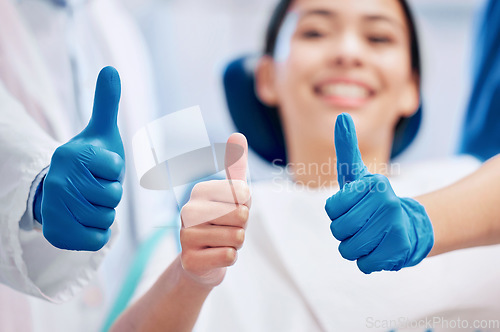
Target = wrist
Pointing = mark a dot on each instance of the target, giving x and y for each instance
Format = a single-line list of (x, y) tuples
[(37, 202), (187, 279), (422, 236)]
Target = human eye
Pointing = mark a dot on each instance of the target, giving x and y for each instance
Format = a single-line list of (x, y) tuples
[(312, 34), (311, 30), (379, 39), (380, 34)]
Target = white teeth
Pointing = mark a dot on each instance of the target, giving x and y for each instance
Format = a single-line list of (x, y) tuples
[(345, 90)]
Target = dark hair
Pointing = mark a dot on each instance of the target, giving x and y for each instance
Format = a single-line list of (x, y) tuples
[(402, 138)]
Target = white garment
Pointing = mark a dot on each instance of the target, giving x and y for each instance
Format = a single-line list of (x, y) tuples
[(49, 60), (290, 276)]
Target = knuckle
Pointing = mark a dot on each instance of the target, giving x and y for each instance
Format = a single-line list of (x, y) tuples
[(239, 237), (117, 191), (230, 256), (62, 152), (330, 206), (337, 231), (392, 202), (99, 219), (346, 253), (242, 214), (108, 218), (184, 237), (359, 186), (379, 178), (343, 253), (186, 211), (199, 189), (365, 267), (381, 185), (246, 194), (195, 191), (242, 189), (99, 243), (118, 162), (192, 214)]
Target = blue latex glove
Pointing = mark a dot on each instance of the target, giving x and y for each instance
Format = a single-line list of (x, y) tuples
[(76, 201), (377, 228)]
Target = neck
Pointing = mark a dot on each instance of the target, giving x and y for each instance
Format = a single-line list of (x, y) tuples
[(317, 167)]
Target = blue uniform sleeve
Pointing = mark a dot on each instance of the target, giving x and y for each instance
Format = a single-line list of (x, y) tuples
[(481, 134)]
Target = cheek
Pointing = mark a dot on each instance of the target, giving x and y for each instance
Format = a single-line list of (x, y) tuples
[(294, 75), (395, 69), (295, 92), (394, 72), (304, 58)]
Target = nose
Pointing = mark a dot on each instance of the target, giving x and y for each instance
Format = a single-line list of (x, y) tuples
[(347, 51)]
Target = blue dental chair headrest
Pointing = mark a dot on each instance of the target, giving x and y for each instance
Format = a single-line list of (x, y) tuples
[(261, 124)]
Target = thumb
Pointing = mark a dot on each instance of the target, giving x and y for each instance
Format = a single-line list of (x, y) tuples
[(350, 166), (236, 157), (106, 100), (102, 129)]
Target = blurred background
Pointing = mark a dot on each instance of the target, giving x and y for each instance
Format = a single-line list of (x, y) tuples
[(191, 41)]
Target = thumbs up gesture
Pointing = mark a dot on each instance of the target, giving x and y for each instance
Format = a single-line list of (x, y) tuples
[(378, 229), (76, 201), (214, 219)]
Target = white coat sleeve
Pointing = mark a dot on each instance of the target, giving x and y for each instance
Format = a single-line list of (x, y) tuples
[(28, 262)]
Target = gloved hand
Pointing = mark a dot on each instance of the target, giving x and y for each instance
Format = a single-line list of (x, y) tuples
[(214, 219), (377, 228), (76, 201)]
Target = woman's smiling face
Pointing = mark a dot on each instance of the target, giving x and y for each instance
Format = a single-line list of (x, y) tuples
[(335, 56)]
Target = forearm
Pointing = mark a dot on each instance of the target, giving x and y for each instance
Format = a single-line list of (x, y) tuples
[(467, 213), (172, 304), (213, 229)]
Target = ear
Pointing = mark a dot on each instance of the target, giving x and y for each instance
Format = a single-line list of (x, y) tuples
[(410, 97), (265, 81)]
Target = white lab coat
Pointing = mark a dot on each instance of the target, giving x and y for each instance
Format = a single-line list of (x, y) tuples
[(290, 276), (49, 60)]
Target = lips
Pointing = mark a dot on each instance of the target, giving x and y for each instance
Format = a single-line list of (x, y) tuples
[(344, 93), (344, 90)]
